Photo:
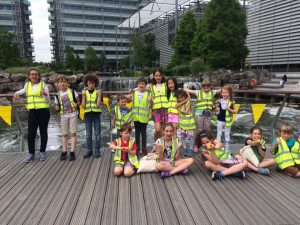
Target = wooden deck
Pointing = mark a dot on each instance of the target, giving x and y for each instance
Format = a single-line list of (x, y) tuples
[(87, 192)]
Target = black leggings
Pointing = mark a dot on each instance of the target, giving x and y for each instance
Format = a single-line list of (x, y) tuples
[(140, 129), (38, 118)]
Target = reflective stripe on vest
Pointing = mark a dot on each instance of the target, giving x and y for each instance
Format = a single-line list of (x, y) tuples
[(91, 102), (174, 149), (228, 116), (140, 109), (120, 120), (186, 121), (284, 157), (159, 98), (132, 158), (222, 154), (34, 99), (296, 152), (204, 101), (70, 96), (172, 104)]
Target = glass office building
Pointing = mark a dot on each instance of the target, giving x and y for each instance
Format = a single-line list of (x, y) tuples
[(83, 23), (14, 17), (274, 34)]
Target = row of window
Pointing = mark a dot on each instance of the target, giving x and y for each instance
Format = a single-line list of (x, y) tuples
[(93, 26), (8, 27), (115, 2), (93, 17), (94, 43), (101, 35), (6, 7), (6, 17), (106, 52), (98, 9)]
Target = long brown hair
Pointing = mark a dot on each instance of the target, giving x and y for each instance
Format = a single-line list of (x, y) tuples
[(229, 89)]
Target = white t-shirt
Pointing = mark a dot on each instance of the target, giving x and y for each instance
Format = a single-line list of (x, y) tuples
[(140, 95), (67, 104)]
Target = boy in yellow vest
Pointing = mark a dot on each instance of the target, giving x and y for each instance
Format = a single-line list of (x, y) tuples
[(125, 159), (66, 102), (122, 114), (286, 151), (91, 100)]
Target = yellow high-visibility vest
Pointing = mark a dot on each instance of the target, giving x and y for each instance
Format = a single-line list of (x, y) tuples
[(34, 99), (132, 158)]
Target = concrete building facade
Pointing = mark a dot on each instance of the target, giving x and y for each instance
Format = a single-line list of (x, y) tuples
[(274, 34), (84, 23), (15, 17)]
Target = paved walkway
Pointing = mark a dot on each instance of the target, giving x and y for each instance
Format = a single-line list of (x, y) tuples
[(87, 192)]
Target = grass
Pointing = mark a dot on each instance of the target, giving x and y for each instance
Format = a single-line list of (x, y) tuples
[(24, 70)]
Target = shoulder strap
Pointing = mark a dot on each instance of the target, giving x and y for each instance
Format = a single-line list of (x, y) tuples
[(57, 96)]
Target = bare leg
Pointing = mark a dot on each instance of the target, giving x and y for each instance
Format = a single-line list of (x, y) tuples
[(64, 140), (118, 170), (73, 142), (267, 163), (157, 133), (128, 171)]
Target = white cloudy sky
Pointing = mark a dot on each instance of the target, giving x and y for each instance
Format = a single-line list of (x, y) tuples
[(40, 26)]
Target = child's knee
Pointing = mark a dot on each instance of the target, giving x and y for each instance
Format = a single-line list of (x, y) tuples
[(73, 135), (208, 164), (118, 171), (191, 161), (128, 172), (65, 135)]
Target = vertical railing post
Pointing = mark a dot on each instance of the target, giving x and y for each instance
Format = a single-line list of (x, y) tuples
[(274, 122)]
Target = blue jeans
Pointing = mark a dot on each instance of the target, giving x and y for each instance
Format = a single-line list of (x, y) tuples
[(92, 119)]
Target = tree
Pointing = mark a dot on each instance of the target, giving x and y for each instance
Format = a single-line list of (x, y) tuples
[(78, 63), (9, 52), (220, 38), (70, 58), (138, 53), (151, 53), (91, 59), (183, 38)]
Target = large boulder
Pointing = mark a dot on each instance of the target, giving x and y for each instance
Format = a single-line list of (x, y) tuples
[(15, 86), (53, 78), (4, 78), (72, 79), (18, 77)]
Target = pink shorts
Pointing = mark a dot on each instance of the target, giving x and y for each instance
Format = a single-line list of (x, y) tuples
[(160, 115), (173, 118)]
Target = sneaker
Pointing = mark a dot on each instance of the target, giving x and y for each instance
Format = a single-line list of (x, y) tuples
[(184, 172), (144, 152), (97, 154), (29, 157), (241, 175), (217, 175), (165, 174), (87, 154), (72, 156), (264, 171), (63, 156), (42, 156)]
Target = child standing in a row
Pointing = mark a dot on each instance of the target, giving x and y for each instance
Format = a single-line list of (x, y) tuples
[(91, 100), (38, 100)]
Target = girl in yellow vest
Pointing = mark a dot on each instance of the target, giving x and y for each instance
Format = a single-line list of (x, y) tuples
[(160, 104), (225, 119), (125, 159), (168, 149), (38, 100), (91, 100), (141, 103), (186, 124), (219, 160), (286, 151), (257, 144), (66, 102)]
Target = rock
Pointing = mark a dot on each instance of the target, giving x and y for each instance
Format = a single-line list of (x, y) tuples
[(233, 81), (216, 83), (52, 88), (225, 78), (45, 79), (18, 77), (53, 78), (72, 79), (15, 86), (3, 79), (237, 76), (80, 77), (264, 80), (244, 83)]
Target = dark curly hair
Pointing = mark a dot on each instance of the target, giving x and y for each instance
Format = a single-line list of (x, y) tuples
[(91, 77)]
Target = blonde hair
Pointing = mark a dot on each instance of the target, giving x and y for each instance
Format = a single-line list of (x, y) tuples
[(229, 89), (205, 83)]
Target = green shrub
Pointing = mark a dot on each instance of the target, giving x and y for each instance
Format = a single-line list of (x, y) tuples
[(181, 70), (197, 66)]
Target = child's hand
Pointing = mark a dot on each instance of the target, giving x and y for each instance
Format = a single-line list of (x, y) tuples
[(43, 92), (83, 93), (56, 107), (16, 96), (99, 92), (125, 149), (278, 141), (113, 126), (298, 139)]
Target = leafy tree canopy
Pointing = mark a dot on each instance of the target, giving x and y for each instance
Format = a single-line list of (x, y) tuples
[(91, 59)]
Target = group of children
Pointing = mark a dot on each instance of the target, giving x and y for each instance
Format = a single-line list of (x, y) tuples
[(177, 133)]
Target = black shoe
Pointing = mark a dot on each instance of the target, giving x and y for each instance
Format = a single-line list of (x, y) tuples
[(87, 154), (63, 156), (97, 155), (72, 156)]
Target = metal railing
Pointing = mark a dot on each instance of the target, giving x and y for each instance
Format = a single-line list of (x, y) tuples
[(284, 95)]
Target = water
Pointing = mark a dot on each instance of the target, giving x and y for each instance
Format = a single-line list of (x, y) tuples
[(10, 137)]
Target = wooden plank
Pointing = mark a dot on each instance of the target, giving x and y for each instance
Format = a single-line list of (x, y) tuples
[(124, 206), (153, 210), (6, 159), (97, 202), (56, 204), (109, 214), (195, 209), (33, 188), (85, 198), (166, 207), (17, 183), (138, 209), (66, 212), (68, 170)]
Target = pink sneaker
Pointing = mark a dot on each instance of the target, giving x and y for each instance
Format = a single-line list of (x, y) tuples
[(184, 172)]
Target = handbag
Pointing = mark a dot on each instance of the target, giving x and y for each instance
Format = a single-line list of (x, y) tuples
[(248, 153), (147, 163)]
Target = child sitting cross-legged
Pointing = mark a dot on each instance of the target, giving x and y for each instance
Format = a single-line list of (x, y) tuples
[(219, 160), (126, 161)]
